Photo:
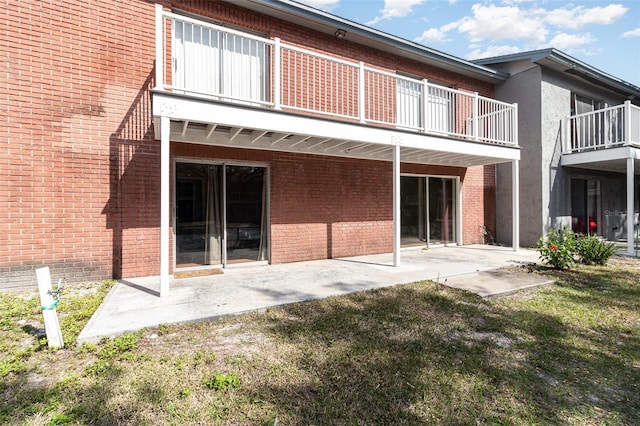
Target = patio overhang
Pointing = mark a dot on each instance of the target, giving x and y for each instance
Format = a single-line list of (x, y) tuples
[(183, 118), (203, 121), (608, 160)]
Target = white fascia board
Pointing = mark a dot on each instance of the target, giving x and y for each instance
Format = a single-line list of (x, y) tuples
[(178, 107)]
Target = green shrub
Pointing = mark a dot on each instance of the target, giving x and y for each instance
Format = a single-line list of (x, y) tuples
[(593, 251), (558, 248)]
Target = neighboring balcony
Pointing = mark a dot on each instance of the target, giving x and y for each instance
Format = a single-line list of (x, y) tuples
[(208, 62), (602, 129)]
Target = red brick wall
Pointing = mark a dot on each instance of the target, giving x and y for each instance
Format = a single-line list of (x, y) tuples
[(79, 164), (75, 137), (479, 203)]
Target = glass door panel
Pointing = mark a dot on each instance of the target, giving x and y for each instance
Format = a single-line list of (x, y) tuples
[(412, 210), (441, 210), (585, 206), (246, 210), (198, 219)]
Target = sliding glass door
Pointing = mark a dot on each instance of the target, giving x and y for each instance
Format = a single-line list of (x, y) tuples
[(441, 196), (246, 214), (585, 206), (220, 214), (427, 210)]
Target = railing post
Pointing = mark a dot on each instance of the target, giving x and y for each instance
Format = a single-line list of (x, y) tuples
[(276, 74), (515, 125), (627, 122), (476, 102), (159, 48), (566, 146), (361, 105), (425, 104)]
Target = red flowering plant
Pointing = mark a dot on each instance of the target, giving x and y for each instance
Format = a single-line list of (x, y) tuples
[(558, 248)]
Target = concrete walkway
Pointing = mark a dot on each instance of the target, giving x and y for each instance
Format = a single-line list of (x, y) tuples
[(135, 304)]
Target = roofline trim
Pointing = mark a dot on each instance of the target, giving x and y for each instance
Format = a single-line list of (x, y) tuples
[(380, 36), (560, 57)]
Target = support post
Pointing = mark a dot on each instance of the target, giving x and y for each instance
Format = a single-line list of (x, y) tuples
[(630, 205), (396, 204), (515, 199), (277, 103), (459, 234), (165, 126), (48, 303), (159, 48)]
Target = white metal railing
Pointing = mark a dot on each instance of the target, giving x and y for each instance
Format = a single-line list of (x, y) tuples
[(219, 63), (604, 128)]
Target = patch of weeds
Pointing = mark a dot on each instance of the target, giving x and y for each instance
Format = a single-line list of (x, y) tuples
[(63, 419), (68, 384), (164, 329), (120, 346), (222, 381), (14, 362), (180, 362), (98, 368), (87, 348), (198, 357), (184, 393), (237, 360)]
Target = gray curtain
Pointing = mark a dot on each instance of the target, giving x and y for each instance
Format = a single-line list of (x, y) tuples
[(213, 225), (262, 253)]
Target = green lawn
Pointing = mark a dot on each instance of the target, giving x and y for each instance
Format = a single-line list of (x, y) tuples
[(412, 354)]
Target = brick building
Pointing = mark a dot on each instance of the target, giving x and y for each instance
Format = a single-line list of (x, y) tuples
[(147, 138)]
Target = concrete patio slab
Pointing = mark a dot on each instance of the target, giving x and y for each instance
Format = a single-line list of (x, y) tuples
[(135, 304)]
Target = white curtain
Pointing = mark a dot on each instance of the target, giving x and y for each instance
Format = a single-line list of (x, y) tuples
[(211, 62), (439, 111), (408, 103)]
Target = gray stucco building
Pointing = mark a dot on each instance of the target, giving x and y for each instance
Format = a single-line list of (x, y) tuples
[(579, 131)]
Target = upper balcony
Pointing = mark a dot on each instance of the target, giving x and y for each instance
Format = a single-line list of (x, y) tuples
[(206, 62), (602, 129), (602, 139)]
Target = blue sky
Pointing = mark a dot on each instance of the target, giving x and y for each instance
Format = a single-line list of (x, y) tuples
[(603, 34)]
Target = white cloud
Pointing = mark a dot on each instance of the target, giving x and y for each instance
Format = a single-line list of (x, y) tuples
[(580, 16), (503, 23), (326, 5), (395, 9), (492, 51), (432, 36), (632, 33), (565, 41), (494, 29)]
